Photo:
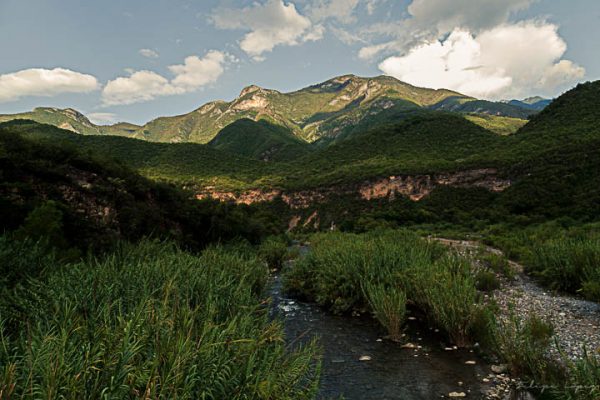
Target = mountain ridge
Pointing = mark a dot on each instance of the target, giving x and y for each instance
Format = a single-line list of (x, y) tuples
[(324, 110)]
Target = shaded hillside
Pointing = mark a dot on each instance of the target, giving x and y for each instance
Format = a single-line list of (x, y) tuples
[(182, 163), (467, 105), (260, 140), (98, 200), (532, 103)]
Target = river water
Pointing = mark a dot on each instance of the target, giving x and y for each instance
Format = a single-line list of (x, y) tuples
[(393, 372)]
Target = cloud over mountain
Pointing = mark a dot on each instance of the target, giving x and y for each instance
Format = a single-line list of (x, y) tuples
[(44, 82), (475, 50), (144, 85)]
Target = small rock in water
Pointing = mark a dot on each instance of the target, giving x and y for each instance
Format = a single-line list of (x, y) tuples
[(498, 369), (457, 394), (448, 348), (408, 346), (379, 340), (411, 318), (470, 362), (364, 358)]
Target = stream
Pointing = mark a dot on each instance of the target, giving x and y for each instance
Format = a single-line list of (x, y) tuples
[(426, 372)]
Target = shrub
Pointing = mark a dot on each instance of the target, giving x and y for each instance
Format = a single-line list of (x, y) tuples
[(499, 264), (274, 250), (524, 345), (486, 281)]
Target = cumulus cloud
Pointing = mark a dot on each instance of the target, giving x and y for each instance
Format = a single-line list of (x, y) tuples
[(270, 24), (429, 20), (190, 76), (44, 82), (149, 53), (504, 61)]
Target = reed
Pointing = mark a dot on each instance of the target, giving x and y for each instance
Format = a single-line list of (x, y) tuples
[(150, 321)]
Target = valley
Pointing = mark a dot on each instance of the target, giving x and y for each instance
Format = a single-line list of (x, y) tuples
[(333, 192)]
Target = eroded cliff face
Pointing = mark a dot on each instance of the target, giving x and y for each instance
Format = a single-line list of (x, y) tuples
[(415, 187)]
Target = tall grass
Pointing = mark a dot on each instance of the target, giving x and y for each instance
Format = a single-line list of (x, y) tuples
[(446, 291), (389, 306), (150, 321), (274, 250), (571, 265), (347, 271)]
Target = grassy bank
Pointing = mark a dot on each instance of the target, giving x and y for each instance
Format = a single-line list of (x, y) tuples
[(563, 255), (384, 272), (147, 321)]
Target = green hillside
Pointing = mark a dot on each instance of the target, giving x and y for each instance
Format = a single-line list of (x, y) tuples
[(339, 107), (426, 143), (259, 140), (71, 120)]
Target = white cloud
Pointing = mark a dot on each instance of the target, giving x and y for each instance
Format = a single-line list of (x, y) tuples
[(44, 82), (342, 10), (147, 85), (505, 61), (196, 72), (102, 118), (270, 24), (149, 53), (429, 20)]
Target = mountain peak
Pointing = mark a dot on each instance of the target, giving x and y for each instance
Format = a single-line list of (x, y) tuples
[(250, 89)]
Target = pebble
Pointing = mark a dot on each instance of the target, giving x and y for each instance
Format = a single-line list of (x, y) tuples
[(498, 369), (470, 362), (365, 358), (457, 394)]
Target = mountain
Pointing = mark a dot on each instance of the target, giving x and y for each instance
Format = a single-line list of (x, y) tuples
[(551, 160), (71, 120), (531, 103), (332, 109), (326, 110), (260, 140)]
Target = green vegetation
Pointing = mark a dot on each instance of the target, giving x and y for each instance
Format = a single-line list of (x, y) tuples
[(571, 265), (497, 124), (260, 140), (152, 321), (563, 255), (79, 200), (274, 250), (372, 271), (389, 307), (523, 344)]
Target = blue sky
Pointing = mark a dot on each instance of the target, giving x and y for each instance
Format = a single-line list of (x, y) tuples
[(135, 60)]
